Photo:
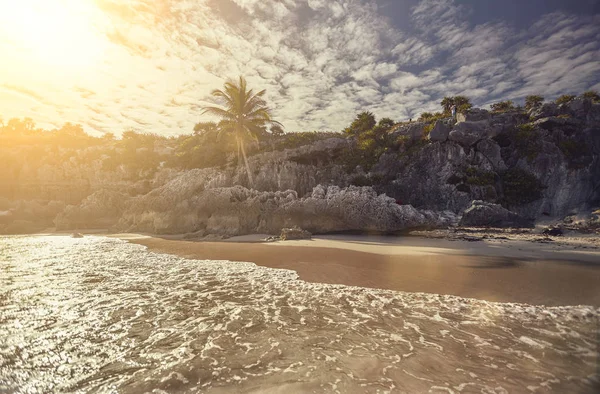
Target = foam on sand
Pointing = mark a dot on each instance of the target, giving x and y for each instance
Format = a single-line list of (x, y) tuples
[(99, 314)]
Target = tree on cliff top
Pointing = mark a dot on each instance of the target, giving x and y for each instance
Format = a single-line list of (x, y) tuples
[(592, 95), (245, 114), (533, 101), (503, 106), (363, 122), (462, 103)]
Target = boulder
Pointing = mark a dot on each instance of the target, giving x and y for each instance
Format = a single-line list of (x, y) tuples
[(544, 111), (414, 131), (579, 107), (553, 231), (440, 131), (553, 123), (288, 234), (473, 115), (468, 133), (484, 214), (505, 122)]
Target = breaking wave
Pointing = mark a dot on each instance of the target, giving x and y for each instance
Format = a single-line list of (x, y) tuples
[(102, 315)]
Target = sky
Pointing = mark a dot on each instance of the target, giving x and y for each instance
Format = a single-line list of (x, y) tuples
[(150, 65)]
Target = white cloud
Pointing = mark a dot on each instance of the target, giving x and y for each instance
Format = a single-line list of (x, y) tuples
[(321, 61)]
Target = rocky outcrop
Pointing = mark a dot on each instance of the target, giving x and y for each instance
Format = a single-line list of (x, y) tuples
[(473, 115), (492, 152), (545, 162), (482, 214), (468, 133), (100, 210), (539, 166), (412, 132), (289, 234), (238, 211), (440, 131), (26, 217)]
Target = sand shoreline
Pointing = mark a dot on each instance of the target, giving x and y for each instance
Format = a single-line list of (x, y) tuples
[(498, 271)]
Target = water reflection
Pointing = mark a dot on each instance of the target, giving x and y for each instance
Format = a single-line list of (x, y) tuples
[(98, 314)]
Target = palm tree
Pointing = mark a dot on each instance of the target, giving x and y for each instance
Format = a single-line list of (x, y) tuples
[(244, 114), (447, 104)]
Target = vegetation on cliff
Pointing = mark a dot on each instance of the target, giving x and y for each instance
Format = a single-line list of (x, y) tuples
[(245, 114), (542, 157)]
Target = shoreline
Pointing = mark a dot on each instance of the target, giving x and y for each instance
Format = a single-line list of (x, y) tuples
[(498, 271)]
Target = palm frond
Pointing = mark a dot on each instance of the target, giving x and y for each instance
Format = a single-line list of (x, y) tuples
[(220, 112)]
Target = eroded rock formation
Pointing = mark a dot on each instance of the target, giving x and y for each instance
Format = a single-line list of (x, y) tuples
[(542, 163), (482, 214)]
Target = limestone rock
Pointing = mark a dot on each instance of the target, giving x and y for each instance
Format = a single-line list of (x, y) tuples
[(238, 211), (492, 152), (553, 231), (554, 123), (473, 115), (99, 210), (506, 122), (544, 111), (288, 234), (593, 116), (440, 131), (468, 133), (482, 214), (414, 131), (579, 107)]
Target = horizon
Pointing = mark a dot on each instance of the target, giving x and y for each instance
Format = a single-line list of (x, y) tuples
[(112, 66)]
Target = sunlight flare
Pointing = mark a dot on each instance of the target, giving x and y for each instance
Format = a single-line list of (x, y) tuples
[(52, 33)]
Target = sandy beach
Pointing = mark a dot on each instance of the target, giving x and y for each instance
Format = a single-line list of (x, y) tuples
[(495, 270)]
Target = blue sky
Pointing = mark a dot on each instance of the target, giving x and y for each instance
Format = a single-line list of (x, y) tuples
[(321, 61)]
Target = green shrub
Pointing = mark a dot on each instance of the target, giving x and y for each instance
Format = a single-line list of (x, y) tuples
[(462, 103), (412, 147), (533, 101), (520, 187), (427, 129), (365, 153), (503, 106), (363, 122), (298, 139), (592, 95), (402, 141), (454, 179), (425, 116), (564, 99), (527, 141), (477, 177)]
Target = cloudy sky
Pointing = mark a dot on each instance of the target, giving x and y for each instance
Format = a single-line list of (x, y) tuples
[(149, 65)]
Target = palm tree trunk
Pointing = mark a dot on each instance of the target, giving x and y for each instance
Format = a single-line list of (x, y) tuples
[(246, 164)]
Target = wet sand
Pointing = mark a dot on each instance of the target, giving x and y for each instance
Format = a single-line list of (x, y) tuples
[(501, 272)]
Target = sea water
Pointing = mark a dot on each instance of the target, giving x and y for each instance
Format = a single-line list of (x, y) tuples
[(101, 315)]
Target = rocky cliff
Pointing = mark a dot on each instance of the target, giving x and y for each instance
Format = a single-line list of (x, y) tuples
[(545, 162)]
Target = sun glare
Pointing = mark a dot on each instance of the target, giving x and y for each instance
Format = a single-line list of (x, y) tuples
[(60, 33)]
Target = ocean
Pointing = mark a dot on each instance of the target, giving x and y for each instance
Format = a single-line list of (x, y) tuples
[(101, 315)]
